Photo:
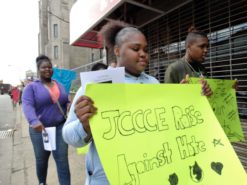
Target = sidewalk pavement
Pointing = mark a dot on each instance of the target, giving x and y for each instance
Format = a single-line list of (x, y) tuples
[(6, 157), (23, 171)]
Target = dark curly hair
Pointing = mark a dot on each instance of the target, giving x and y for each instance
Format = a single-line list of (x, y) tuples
[(193, 33), (114, 31), (40, 59), (98, 66)]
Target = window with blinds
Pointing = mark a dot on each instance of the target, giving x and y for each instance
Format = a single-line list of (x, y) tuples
[(226, 25)]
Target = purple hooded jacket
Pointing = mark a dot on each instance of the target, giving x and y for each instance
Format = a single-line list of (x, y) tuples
[(38, 106)]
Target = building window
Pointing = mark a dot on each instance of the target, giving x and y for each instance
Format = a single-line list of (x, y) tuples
[(55, 52), (55, 30)]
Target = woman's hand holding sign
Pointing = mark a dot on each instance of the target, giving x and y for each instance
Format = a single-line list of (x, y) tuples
[(84, 109)]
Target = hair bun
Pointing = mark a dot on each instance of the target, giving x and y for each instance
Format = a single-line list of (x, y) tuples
[(192, 29), (109, 32)]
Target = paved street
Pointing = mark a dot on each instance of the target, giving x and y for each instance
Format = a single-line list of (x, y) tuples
[(7, 118), (16, 152)]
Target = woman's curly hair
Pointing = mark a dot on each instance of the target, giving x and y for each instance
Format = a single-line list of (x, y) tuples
[(40, 59), (114, 31)]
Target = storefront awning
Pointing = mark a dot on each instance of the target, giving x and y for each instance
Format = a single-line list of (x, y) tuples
[(87, 17)]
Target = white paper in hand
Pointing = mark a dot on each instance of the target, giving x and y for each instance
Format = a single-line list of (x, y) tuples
[(49, 138), (114, 75)]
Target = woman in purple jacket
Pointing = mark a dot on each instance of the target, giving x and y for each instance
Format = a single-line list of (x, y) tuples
[(41, 108)]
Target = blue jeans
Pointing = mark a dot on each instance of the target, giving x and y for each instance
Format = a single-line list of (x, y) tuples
[(42, 156)]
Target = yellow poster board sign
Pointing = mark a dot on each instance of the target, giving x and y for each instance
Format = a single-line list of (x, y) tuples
[(224, 104), (161, 134)]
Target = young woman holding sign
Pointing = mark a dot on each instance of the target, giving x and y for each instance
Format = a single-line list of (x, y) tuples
[(130, 48)]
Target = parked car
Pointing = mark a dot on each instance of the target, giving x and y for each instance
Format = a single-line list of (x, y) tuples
[(5, 88)]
